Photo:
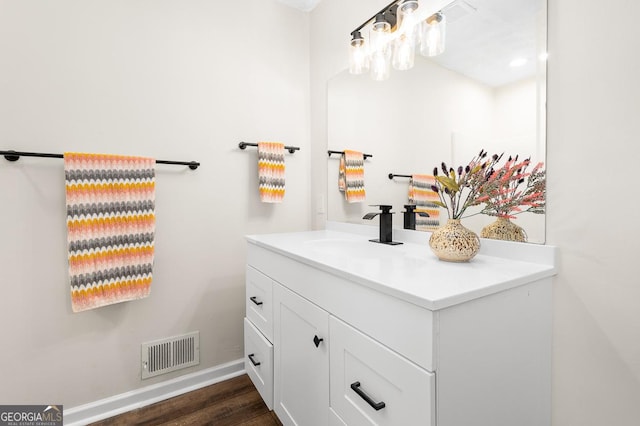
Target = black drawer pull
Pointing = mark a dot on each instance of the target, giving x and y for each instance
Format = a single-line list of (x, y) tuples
[(253, 299), (317, 340), (252, 360), (376, 405)]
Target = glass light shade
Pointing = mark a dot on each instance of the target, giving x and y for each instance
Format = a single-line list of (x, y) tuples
[(404, 53), (358, 57), (433, 33), (380, 66), (379, 34), (408, 22), (380, 49), (408, 29)]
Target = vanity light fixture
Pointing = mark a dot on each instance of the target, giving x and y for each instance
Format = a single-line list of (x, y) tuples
[(395, 33)]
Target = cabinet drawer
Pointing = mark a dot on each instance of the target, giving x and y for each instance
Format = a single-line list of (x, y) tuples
[(258, 361), (398, 391), (259, 303)]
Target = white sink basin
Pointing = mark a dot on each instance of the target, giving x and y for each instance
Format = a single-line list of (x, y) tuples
[(349, 249)]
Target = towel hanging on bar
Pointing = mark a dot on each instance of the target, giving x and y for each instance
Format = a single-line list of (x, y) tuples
[(351, 176), (110, 228), (421, 194), (271, 171)]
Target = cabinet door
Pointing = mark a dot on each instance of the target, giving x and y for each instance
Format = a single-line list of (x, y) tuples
[(301, 360)]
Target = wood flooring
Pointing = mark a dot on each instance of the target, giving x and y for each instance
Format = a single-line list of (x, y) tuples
[(234, 402)]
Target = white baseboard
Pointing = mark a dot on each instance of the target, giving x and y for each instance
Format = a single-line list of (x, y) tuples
[(118, 404)]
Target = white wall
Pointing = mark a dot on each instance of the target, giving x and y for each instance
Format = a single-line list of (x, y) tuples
[(171, 79), (594, 105), (515, 116), (592, 145)]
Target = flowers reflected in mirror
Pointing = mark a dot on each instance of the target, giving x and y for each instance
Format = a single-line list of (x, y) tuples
[(512, 189)]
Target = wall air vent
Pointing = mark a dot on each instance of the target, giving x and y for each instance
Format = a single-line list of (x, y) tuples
[(170, 354)]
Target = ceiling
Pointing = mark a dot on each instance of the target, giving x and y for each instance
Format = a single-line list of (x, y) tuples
[(484, 36), (303, 5)]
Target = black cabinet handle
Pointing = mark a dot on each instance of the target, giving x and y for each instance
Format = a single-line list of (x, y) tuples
[(317, 340), (253, 299), (376, 405), (253, 361)]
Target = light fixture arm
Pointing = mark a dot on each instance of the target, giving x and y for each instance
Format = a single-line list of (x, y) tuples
[(388, 12)]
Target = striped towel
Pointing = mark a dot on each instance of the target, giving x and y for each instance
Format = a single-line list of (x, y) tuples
[(421, 194), (271, 171), (342, 183), (110, 228), (351, 176)]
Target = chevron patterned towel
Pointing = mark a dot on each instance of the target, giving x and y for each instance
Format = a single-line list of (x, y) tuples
[(352, 169), (271, 171), (110, 228), (421, 194)]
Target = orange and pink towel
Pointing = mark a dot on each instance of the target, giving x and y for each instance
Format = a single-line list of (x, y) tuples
[(421, 194), (110, 228), (271, 171), (351, 176)]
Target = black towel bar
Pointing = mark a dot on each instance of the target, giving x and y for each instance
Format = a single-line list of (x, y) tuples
[(342, 152), (392, 175), (291, 149), (15, 156)]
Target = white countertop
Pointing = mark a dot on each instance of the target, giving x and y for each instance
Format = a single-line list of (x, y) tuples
[(410, 271)]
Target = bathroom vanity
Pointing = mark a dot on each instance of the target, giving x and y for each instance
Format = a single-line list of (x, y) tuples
[(343, 331)]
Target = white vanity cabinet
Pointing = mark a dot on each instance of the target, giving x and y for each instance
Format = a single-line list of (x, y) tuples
[(350, 342)]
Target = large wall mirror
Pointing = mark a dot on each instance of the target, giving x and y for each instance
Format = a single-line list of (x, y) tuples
[(486, 91)]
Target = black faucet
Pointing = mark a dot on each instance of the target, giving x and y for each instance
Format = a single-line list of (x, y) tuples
[(410, 216), (386, 223)]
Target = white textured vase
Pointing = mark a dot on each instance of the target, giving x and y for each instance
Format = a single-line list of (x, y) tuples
[(453, 242), (504, 229)]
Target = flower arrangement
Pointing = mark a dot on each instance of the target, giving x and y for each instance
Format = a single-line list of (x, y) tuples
[(512, 190), (505, 191), (462, 188)]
